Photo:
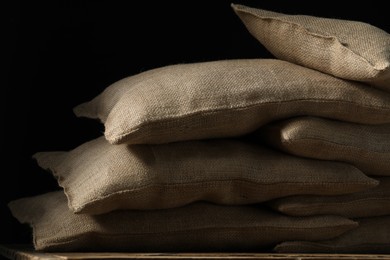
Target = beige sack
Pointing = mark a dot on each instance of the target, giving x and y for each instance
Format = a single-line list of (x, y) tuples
[(367, 147), (346, 49), (371, 203), (197, 227), (226, 98), (372, 236), (99, 177)]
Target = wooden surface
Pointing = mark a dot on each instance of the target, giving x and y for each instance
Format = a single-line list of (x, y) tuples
[(27, 253)]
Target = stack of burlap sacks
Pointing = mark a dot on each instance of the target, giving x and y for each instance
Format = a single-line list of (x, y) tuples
[(174, 173)]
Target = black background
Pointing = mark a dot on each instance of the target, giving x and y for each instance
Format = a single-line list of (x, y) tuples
[(58, 54)]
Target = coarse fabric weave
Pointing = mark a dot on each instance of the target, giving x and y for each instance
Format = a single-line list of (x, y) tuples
[(196, 227), (226, 98), (372, 236), (99, 177), (371, 203), (347, 49), (365, 146)]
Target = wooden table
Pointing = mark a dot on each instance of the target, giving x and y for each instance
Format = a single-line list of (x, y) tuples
[(23, 252)]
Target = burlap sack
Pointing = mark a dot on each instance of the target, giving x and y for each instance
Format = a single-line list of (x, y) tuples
[(366, 147), (226, 98), (346, 49), (372, 236), (371, 203), (99, 177), (197, 227)]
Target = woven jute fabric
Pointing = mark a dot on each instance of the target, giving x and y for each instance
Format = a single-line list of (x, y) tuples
[(371, 203), (226, 98), (365, 146), (196, 227), (372, 236), (99, 177), (346, 49)]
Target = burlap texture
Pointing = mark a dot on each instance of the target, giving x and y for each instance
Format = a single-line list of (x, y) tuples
[(371, 203), (346, 49), (99, 177), (365, 146), (196, 227), (372, 236), (226, 98)]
